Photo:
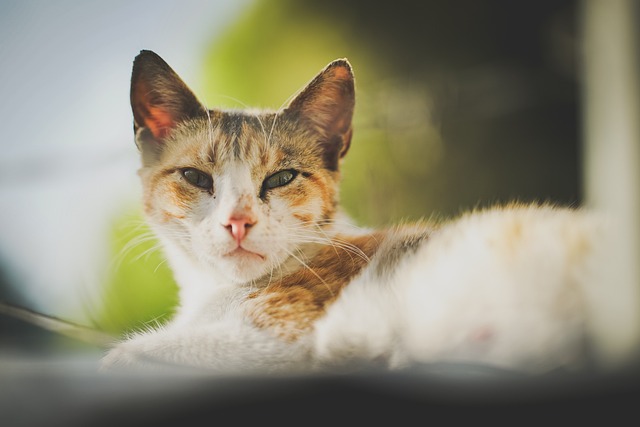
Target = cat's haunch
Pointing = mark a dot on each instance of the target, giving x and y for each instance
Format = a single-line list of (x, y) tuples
[(273, 275)]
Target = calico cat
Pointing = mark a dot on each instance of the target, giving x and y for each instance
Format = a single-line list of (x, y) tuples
[(273, 277)]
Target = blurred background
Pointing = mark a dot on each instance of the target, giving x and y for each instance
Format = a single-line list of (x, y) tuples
[(460, 104)]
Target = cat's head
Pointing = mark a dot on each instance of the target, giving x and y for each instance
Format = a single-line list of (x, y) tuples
[(240, 191)]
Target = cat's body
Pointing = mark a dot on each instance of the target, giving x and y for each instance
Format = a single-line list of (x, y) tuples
[(273, 277)]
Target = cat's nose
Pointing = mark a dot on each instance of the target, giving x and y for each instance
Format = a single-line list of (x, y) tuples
[(239, 227)]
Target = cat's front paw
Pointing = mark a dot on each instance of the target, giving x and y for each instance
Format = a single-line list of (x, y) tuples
[(135, 354), (119, 358), (145, 353)]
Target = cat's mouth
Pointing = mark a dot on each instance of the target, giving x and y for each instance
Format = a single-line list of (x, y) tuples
[(241, 252)]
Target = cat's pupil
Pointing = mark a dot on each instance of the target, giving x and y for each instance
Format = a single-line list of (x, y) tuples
[(279, 179), (197, 178)]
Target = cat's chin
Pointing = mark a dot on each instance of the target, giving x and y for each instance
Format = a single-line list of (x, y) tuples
[(242, 265)]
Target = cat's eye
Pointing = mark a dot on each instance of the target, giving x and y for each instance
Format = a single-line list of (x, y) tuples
[(279, 179), (197, 178)]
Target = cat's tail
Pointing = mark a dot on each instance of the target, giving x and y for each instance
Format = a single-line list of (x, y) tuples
[(57, 325)]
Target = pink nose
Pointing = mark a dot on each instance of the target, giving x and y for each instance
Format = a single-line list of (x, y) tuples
[(239, 227)]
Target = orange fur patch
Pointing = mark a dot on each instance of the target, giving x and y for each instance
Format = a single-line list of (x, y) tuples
[(327, 193), (168, 216), (178, 195), (290, 305), (304, 218), (166, 197)]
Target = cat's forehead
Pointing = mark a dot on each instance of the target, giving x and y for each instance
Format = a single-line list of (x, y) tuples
[(253, 138)]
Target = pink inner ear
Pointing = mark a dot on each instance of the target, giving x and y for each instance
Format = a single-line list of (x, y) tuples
[(159, 122)]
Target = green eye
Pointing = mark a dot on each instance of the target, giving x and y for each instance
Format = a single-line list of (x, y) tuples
[(279, 179), (197, 178)]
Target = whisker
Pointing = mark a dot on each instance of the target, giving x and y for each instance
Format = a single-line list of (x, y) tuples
[(129, 247), (305, 265), (271, 268), (155, 270), (236, 100), (327, 237), (277, 114), (312, 236), (145, 235), (210, 129)]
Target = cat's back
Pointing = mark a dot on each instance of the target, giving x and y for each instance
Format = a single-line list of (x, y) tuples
[(476, 288), (516, 241)]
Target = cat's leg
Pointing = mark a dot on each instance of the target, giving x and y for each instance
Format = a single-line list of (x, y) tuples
[(360, 328), (229, 347)]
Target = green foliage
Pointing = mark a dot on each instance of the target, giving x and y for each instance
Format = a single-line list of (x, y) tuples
[(267, 55), (140, 288)]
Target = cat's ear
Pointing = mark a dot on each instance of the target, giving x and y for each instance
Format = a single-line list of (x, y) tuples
[(160, 100), (326, 104)]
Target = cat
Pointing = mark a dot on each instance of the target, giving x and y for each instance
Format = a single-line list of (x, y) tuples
[(274, 277)]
